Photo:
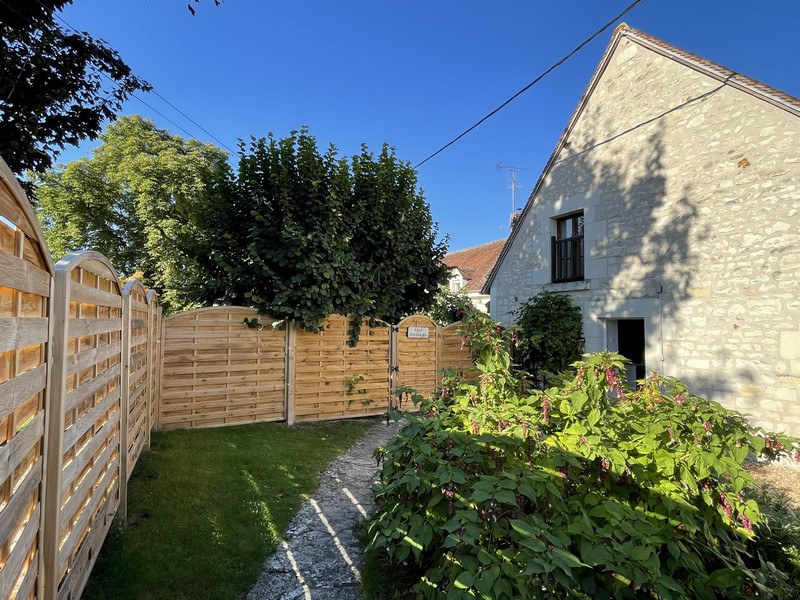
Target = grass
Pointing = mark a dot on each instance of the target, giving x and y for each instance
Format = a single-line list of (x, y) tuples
[(206, 507)]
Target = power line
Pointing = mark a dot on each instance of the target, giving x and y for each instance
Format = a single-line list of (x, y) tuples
[(534, 82), (187, 117)]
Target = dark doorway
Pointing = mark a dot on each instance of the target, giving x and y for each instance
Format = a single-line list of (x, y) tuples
[(630, 333)]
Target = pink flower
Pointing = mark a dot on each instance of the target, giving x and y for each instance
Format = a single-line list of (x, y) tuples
[(611, 378), (707, 426), (476, 428), (671, 433), (680, 399), (524, 429), (463, 342), (546, 409), (746, 523), (726, 506)]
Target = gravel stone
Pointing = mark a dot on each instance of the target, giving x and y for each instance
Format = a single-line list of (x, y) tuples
[(320, 557)]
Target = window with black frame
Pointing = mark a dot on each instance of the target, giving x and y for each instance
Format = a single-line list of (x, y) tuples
[(567, 249)]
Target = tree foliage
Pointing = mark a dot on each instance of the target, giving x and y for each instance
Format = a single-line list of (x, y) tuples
[(550, 328), (57, 86), (138, 200), (302, 234), (449, 307)]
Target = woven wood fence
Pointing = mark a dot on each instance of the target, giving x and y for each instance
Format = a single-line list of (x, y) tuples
[(78, 388), (217, 371), (89, 368), (25, 279)]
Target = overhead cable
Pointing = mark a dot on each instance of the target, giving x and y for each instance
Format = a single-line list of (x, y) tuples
[(534, 82)]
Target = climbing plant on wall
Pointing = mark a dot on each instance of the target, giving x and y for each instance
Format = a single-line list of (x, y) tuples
[(550, 328)]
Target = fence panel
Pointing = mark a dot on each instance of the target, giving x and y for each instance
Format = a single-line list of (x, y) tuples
[(135, 345), (416, 355), (25, 284), (333, 380), (217, 371), (454, 353), (84, 434)]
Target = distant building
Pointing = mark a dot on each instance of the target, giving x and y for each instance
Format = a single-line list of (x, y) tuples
[(469, 270)]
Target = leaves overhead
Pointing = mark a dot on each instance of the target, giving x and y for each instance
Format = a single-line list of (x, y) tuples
[(137, 200), (302, 235), (56, 86)]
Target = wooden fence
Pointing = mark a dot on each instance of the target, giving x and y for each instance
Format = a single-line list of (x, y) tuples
[(25, 276), (89, 368), (217, 371), (78, 388)]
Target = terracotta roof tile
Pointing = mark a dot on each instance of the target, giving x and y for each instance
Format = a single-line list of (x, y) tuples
[(475, 263)]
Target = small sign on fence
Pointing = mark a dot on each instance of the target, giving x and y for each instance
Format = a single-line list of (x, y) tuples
[(418, 333)]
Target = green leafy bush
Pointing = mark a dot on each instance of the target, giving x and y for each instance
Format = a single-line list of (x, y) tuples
[(778, 536), (498, 491), (449, 307), (550, 327)]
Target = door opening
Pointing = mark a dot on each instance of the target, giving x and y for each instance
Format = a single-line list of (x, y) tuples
[(630, 333)]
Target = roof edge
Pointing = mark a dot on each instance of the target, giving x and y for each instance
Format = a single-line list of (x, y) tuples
[(711, 69), (601, 66)]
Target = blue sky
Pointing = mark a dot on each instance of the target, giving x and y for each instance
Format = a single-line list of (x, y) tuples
[(414, 74)]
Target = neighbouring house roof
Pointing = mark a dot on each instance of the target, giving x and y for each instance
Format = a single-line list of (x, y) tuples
[(475, 263), (723, 74)]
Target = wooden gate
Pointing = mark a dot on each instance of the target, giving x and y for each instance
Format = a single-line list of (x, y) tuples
[(416, 360), (423, 350)]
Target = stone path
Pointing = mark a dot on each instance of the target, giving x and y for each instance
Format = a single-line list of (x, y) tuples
[(321, 557)]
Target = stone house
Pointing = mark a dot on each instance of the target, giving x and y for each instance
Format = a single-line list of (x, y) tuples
[(468, 270), (670, 212)]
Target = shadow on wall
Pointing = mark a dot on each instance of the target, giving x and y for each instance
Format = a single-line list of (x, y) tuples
[(647, 212)]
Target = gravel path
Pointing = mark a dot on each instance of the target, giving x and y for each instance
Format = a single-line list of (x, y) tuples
[(320, 557)]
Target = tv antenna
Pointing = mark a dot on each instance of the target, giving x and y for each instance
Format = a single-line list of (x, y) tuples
[(513, 172)]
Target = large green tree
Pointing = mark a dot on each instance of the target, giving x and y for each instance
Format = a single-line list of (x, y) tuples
[(138, 200), (57, 86), (302, 234)]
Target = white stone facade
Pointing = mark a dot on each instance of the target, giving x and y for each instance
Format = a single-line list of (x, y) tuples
[(690, 189)]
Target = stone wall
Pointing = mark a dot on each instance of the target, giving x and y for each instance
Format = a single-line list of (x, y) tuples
[(690, 190)]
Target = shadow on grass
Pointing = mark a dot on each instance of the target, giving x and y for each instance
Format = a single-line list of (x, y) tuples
[(206, 508)]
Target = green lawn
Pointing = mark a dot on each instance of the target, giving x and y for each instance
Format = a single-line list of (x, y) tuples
[(206, 507)]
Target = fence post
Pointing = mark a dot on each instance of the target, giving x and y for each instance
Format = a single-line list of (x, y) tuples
[(54, 440), (122, 512), (291, 344), (439, 340), (162, 329), (150, 373), (394, 362)]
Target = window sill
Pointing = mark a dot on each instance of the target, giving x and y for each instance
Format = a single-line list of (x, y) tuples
[(568, 286)]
